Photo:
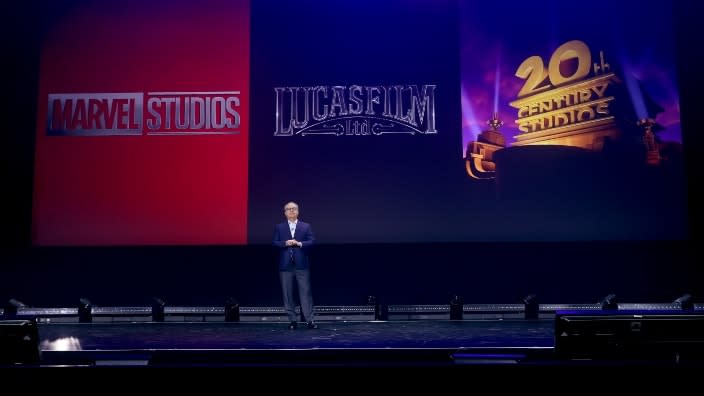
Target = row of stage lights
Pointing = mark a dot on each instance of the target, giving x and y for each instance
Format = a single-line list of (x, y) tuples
[(13, 309)]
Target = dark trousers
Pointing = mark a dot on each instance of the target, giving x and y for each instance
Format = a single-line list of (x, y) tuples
[(304, 292)]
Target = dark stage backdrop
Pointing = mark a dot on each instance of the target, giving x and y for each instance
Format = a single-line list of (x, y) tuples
[(385, 166), (358, 112)]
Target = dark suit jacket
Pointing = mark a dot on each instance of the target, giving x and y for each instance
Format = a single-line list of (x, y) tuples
[(304, 234)]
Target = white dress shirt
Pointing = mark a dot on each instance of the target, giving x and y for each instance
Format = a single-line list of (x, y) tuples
[(292, 227)]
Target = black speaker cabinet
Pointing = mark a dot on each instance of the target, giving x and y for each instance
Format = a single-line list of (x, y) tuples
[(19, 342), (629, 335)]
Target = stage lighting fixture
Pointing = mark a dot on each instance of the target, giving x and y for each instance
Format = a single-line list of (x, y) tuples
[(232, 310), (158, 309), (609, 302), (531, 306), (85, 311), (371, 300), (456, 308), (685, 302), (380, 312), (11, 308)]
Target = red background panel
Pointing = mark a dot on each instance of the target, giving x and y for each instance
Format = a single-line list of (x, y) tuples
[(144, 190)]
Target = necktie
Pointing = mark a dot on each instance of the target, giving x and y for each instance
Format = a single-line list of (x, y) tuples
[(290, 248)]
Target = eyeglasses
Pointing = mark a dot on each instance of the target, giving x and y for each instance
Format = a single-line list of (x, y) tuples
[(293, 209)]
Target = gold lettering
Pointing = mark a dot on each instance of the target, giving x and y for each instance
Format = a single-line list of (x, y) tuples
[(567, 108), (534, 109), (524, 127), (603, 108), (523, 112), (545, 106), (600, 90), (562, 119), (584, 95), (585, 113)]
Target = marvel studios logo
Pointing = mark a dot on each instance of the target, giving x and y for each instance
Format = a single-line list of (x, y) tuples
[(165, 113)]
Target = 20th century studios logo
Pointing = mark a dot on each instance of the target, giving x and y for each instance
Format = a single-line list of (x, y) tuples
[(355, 110)]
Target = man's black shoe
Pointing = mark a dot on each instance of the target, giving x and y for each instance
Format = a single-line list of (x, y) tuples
[(292, 325), (311, 325)]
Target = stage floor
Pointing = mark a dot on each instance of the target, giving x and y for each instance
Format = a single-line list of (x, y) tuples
[(435, 342), (456, 354)]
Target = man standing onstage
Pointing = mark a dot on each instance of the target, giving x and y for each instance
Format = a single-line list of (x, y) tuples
[(294, 238)]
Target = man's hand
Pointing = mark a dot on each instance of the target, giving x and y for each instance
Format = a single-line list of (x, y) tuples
[(293, 242)]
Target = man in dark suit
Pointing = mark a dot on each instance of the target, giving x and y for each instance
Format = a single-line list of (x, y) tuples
[(294, 238)]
